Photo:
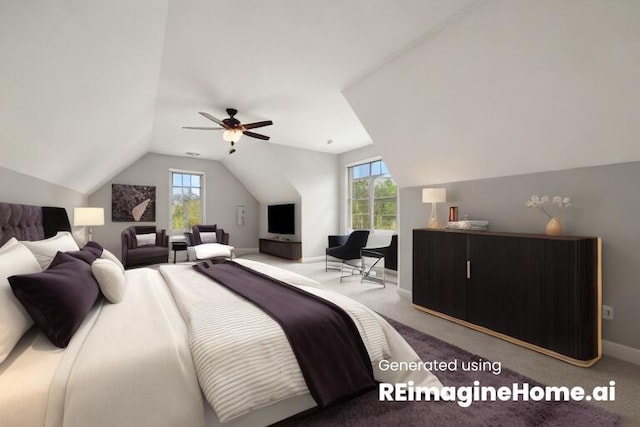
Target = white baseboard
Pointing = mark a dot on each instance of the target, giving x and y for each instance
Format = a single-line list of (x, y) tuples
[(246, 251), (622, 352), (313, 259), (405, 294)]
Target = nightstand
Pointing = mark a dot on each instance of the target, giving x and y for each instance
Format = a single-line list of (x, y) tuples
[(176, 247)]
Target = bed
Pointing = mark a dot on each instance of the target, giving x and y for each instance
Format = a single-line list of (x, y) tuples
[(142, 360)]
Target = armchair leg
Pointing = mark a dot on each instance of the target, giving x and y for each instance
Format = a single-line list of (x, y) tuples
[(355, 270)]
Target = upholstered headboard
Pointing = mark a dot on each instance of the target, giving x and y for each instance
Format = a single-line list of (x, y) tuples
[(27, 222)]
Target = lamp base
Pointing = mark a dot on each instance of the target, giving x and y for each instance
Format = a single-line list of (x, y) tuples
[(433, 223)]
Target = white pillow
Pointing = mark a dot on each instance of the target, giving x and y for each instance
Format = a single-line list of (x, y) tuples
[(45, 250), (146, 239), (212, 250), (15, 259), (111, 257), (110, 279), (209, 237)]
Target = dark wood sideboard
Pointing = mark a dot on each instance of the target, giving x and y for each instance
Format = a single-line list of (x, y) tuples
[(541, 292), (281, 248)]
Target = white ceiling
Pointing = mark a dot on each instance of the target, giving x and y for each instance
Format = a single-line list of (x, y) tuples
[(94, 85), (512, 87)]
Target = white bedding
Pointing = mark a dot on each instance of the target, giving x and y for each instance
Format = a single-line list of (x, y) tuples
[(248, 363), (130, 363)]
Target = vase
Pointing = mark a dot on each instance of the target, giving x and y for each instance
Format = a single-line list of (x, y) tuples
[(554, 228)]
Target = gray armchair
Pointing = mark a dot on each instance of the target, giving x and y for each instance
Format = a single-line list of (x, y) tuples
[(196, 239), (134, 255)]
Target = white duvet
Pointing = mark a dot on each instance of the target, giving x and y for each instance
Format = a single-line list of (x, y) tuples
[(242, 356), (130, 364)]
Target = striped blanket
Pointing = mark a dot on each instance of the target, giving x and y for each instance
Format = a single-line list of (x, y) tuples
[(242, 357)]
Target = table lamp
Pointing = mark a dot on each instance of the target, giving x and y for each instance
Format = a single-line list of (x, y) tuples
[(88, 217), (433, 196)]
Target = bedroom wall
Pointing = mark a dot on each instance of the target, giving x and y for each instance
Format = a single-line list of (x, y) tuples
[(25, 189), (276, 173), (256, 165), (223, 193), (605, 201), (315, 177)]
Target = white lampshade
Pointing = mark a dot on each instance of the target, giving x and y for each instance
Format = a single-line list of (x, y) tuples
[(88, 216), (232, 135), (434, 195)]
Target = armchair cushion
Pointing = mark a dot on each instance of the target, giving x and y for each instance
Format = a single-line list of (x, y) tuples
[(200, 229), (148, 239), (209, 237)]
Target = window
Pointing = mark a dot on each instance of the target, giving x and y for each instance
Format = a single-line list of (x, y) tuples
[(186, 200), (373, 197)]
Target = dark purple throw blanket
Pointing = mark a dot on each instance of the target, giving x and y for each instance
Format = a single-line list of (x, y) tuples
[(332, 357)]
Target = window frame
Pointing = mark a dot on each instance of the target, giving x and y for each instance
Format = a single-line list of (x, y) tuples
[(172, 231), (371, 178)]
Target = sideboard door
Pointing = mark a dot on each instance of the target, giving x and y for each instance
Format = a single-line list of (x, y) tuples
[(439, 265)]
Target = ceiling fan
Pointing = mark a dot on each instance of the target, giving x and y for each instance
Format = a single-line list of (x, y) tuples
[(233, 128)]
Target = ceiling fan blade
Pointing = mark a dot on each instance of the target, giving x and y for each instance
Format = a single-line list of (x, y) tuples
[(199, 128), (213, 119), (257, 124), (256, 135)]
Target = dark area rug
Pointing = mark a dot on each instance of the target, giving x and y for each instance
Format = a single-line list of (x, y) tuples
[(367, 410)]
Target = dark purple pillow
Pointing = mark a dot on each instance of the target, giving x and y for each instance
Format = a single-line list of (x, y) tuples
[(93, 247), (83, 255), (59, 298)]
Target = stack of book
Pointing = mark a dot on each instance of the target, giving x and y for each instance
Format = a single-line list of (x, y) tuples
[(468, 225)]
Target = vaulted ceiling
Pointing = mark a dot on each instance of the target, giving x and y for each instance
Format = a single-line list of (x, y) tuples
[(86, 88), (447, 90)]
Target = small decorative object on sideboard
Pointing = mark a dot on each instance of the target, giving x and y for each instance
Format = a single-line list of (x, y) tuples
[(453, 213), (468, 224), (554, 227)]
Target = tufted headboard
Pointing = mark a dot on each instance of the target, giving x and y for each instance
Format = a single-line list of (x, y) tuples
[(27, 222)]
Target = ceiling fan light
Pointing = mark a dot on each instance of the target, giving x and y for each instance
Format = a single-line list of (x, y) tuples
[(232, 135)]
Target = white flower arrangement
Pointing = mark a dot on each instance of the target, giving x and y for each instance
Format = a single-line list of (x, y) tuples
[(542, 202)]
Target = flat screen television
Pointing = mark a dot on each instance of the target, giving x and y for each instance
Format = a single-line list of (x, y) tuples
[(281, 219)]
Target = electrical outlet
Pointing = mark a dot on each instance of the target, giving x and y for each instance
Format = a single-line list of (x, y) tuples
[(607, 312)]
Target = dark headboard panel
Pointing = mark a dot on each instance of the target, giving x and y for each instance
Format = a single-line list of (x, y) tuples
[(26, 222)]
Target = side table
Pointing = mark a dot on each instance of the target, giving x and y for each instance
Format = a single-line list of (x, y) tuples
[(176, 247)]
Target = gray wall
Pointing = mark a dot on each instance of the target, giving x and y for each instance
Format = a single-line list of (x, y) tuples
[(24, 189), (223, 193), (314, 175), (276, 173), (606, 202)]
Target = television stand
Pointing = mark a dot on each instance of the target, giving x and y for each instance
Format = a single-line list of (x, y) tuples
[(287, 249)]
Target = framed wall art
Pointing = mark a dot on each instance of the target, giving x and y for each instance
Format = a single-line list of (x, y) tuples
[(133, 203)]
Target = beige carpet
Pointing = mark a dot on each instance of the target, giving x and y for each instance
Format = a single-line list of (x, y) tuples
[(529, 363)]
